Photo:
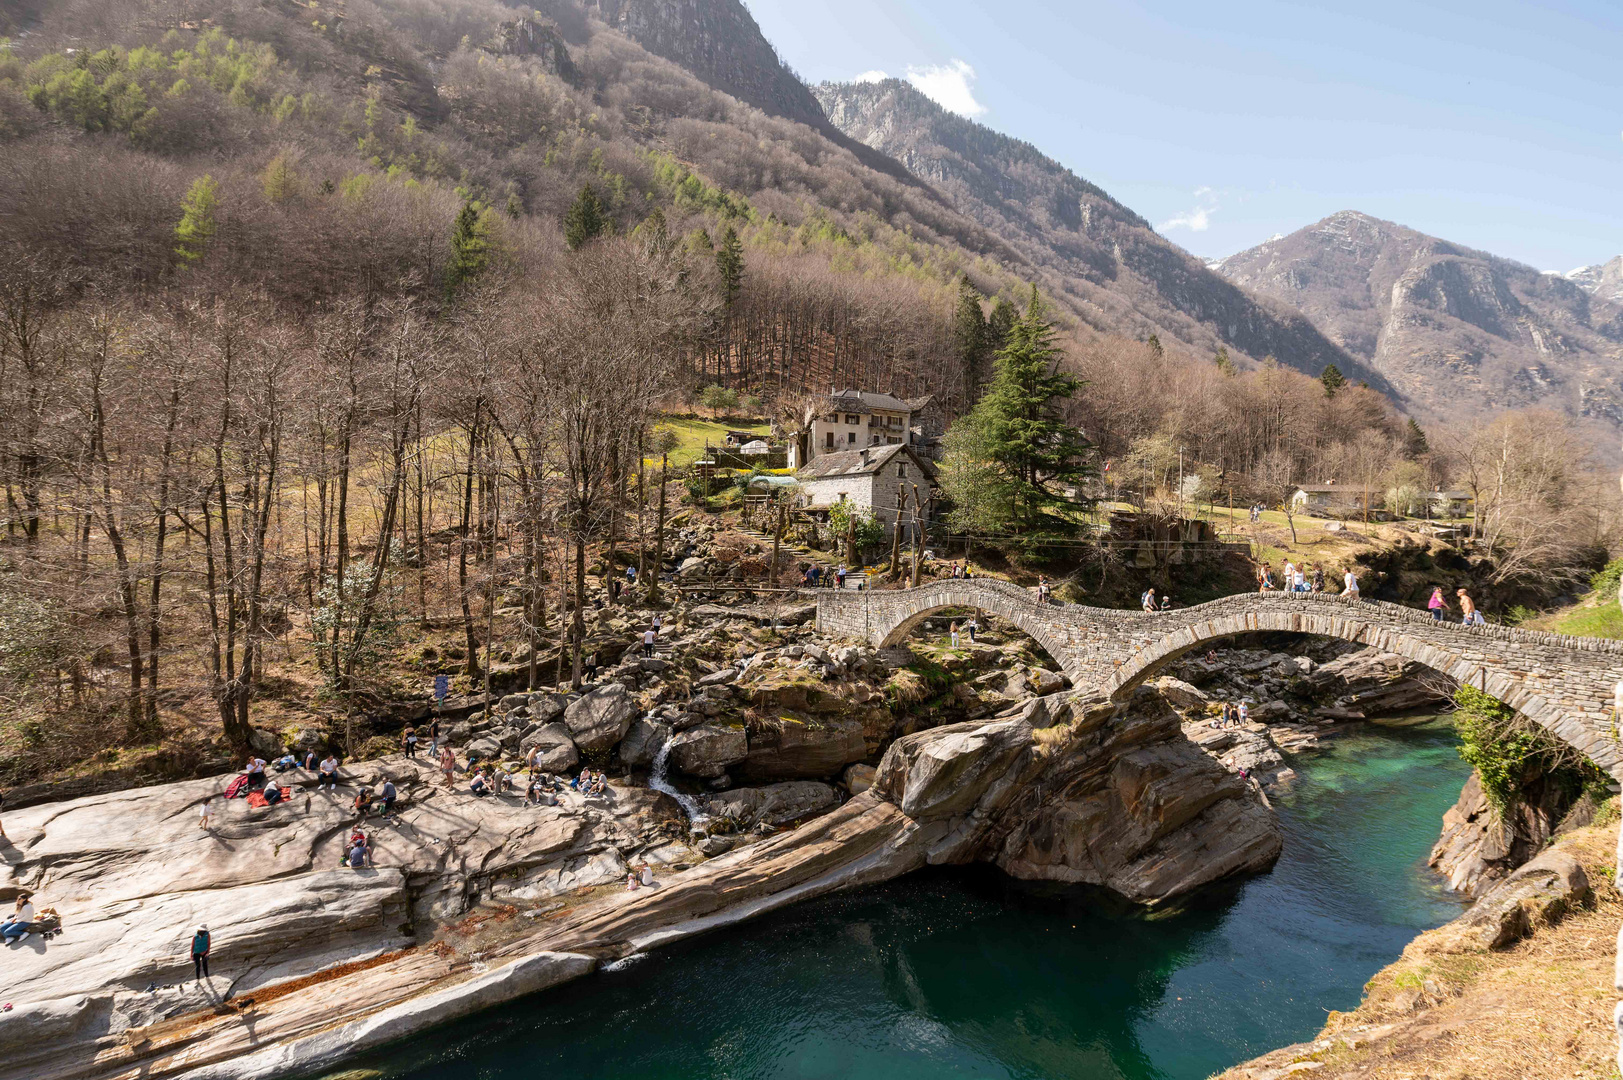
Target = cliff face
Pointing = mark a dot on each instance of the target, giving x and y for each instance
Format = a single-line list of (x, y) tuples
[(1455, 331), (1105, 258), (720, 42)]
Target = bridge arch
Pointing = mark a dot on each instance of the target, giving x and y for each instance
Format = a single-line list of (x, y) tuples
[(1572, 687), (923, 602)]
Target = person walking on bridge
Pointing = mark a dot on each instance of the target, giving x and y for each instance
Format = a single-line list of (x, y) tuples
[(1349, 585), (1469, 613), (1437, 604)]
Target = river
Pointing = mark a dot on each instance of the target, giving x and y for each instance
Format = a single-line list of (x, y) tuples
[(965, 974)]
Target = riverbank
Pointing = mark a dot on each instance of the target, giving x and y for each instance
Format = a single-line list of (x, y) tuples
[(1455, 1005)]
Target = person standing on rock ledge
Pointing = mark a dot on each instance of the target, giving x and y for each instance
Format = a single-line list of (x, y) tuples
[(200, 954)]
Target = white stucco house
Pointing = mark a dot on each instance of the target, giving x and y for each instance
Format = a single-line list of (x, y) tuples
[(852, 419), (873, 479)]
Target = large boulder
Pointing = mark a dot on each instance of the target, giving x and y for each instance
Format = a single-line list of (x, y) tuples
[(484, 749), (558, 751), (708, 749), (601, 718), (642, 742), (776, 804), (1181, 695), (546, 708), (1540, 892), (785, 748)]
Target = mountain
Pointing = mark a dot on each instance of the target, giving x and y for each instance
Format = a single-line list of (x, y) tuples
[(1604, 280), (1121, 276), (1455, 331)]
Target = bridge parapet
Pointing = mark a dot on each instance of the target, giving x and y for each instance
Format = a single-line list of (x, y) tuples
[(1567, 684)]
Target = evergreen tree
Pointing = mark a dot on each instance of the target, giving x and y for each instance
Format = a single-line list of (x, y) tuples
[(470, 245), (998, 325), (196, 227), (969, 339), (1224, 364), (730, 264), (1154, 343), (1333, 380), (280, 180), (1005, 455), (585, 219), (1415, 443)]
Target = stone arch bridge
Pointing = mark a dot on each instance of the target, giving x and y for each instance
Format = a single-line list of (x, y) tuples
[(1571, 686)]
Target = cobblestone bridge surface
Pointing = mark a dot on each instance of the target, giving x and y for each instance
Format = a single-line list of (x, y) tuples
[(1571, 686)]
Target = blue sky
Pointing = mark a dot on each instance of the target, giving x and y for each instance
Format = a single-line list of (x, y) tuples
[(1495, 125)]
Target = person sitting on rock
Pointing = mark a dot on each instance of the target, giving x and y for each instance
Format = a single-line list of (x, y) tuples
[(329, 773), (256, 772), (273, 793), (632, 884), (480, 787), (309, 762), (360, 854), (362, 805), (287, 762), (15, 928)]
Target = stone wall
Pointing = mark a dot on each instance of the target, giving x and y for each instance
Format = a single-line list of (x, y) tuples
[(1564, 683)]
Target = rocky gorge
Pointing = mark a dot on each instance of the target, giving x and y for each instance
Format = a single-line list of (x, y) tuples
[(804, 766)]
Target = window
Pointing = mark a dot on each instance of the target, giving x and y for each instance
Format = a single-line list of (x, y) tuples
[(893, 440), (852, 418), (828, 440), (850, 438), (901, 471)]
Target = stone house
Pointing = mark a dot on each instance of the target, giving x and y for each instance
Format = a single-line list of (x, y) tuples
[(1335, 500), (852, 419), (872, 478)]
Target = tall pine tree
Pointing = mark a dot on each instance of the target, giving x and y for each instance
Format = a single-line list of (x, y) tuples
[(196, 226), (969, 340), (585, 220), (1415, 443), (470, 245), (1006, 457), (730, 265), (1333, 379), (998, 324)]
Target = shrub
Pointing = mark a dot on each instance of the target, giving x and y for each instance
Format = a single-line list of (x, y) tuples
[(1505, 748)]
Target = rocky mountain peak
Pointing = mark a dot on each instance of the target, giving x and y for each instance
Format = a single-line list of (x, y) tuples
[(1455, 330), (1603, 280), (721, 43)]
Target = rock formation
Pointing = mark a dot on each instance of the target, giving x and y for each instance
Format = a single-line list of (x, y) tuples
[(314, 962)]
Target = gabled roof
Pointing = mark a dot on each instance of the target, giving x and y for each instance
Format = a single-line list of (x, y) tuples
[(863, 462), (861, 401)]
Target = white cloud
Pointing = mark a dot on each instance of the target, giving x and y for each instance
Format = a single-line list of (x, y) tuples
[(949, 85), (870, 76), (1198, 219)]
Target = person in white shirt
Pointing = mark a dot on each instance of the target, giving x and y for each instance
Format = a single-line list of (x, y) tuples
[(648, 642), (15, 928), (205, 813), (1350, 585)]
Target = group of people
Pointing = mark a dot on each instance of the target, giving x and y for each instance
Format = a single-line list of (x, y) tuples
[(1149, 602), (590, 783), (1302, 579), (1470, 615), (971, 625), (1233, 715)]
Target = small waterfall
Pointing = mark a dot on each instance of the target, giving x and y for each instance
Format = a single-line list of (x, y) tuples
[(657, 780)]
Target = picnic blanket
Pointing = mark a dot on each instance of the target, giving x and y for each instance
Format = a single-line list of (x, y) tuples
[(237, 788), (257, 798)]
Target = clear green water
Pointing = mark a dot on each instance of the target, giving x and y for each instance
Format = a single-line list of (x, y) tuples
[(965, 974)]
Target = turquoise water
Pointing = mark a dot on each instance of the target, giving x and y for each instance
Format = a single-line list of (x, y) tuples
[(966, 974)]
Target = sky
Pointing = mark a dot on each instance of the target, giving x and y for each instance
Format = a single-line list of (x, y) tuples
[(1494, 125)]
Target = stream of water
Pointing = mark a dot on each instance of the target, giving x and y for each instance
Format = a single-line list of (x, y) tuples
[(966, 974)]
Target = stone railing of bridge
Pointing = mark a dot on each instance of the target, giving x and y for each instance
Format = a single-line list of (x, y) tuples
[(1569, 685)]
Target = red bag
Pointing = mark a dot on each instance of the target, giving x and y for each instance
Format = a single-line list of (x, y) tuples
[(237, 787)]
